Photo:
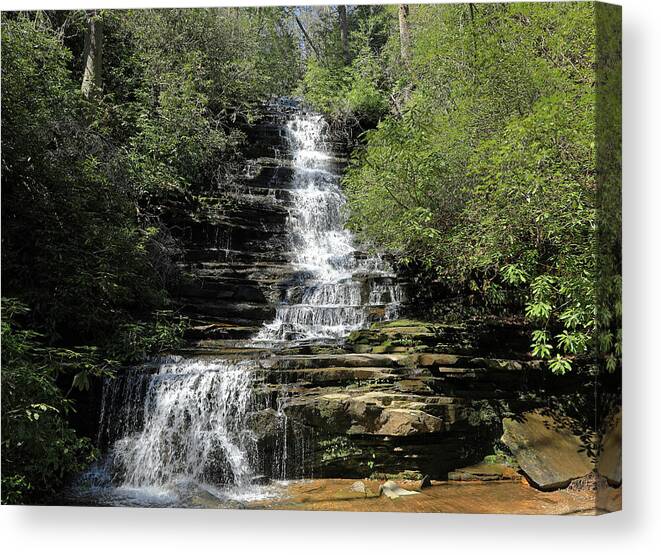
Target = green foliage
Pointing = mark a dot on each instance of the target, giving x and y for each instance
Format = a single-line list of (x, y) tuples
[(344, 92), (39, 448), (73, 249), (486, 176), (338, 448), (198, 71), (86, 186), (135, 341), (355, 91), (325, 87)]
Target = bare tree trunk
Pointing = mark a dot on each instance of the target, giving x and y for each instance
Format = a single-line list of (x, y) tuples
[(93, 58), (344, 32), (404, 33), (307, 37)]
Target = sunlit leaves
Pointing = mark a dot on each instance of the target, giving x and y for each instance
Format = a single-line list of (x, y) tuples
[(559, 365), (514, 274), (540, 310), (488, 173)]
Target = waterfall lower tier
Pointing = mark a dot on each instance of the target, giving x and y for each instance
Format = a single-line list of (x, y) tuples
[(199, 420), (185, 421)]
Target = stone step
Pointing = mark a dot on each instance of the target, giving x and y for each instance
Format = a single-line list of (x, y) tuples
[(329, 376), (231, 256), (229, 311), (240, 291), (209, 330), (344, 360)]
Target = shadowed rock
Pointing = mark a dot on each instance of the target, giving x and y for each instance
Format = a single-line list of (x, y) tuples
[(549, 454)]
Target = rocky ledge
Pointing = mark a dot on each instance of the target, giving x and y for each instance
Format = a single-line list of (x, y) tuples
[(415, 398)]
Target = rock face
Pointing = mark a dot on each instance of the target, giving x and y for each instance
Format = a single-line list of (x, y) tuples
[(383, 413), (237, 240), (610, 459), (549, 454)]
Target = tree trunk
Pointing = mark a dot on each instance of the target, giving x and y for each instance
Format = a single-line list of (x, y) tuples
[(93, 59), (307, 37), (404, 33), (344, 32)]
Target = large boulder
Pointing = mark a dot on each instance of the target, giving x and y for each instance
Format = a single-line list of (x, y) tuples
[(407, 422), (549, 454)]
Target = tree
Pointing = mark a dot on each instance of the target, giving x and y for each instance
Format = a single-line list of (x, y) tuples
[(88, 257), (487, 176), (307, 36), (93, 55), (344, 32), (404, 33)]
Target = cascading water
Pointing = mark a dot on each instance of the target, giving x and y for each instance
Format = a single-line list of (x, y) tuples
[(187, 421), (177, 425), (193, 425), (337, 291)]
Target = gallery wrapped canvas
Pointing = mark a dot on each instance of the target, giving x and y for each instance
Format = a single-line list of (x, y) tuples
[(351, 258)]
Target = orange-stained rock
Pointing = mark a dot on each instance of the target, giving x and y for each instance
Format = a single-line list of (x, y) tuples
[(505, 497)]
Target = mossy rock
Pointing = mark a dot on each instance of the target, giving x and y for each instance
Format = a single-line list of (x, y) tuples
[(411, 475)]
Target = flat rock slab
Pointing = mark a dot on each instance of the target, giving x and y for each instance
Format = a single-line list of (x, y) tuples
[(508, 497), (550, 455), (484, 472)]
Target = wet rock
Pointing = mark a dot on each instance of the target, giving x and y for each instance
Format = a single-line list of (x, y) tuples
[(265, 424), (394, 491), (549, 454), (360, 487), (425, 482)]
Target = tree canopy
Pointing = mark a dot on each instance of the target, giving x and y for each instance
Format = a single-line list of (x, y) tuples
[(478, 158)]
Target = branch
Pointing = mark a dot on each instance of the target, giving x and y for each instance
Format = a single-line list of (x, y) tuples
[(307, 37)]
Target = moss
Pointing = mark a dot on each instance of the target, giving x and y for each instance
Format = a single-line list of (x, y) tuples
[(412, 475), (338, 448)]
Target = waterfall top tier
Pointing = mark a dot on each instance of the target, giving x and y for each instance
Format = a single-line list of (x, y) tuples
[(334, 289)]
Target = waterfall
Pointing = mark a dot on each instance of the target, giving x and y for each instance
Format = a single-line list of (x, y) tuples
[(188, 420), (194, 415), (185, 421), (336, 291)]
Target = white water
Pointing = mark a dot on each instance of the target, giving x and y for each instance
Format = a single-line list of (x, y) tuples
[(194, 427), (341, 292), (177, 431)]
